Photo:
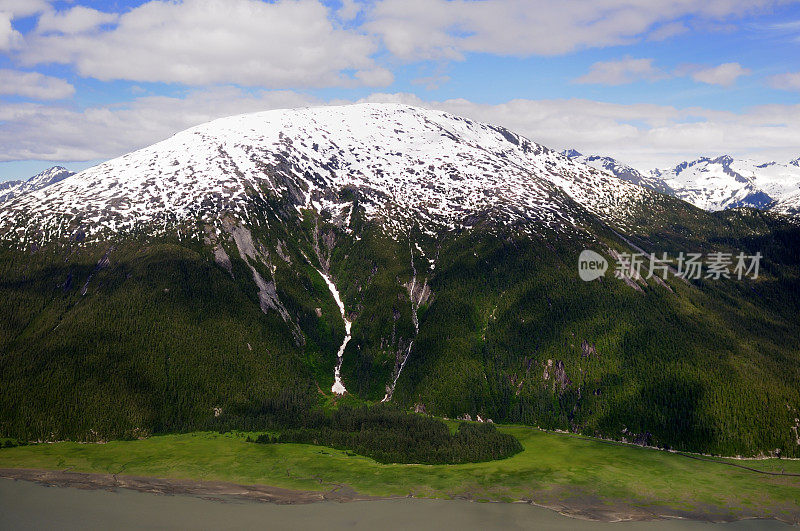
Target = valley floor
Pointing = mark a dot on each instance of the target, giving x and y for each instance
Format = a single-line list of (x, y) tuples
[(579, 477)]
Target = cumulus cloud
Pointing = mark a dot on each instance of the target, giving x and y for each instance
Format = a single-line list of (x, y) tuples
[(629, 70), (643, 135), (724, 74), (787, 81), (79, 19), (435, 29), (349, 10), (42, 132), (286, 43), (23, 8), (621, 71), (9, 37), (34, 85), (377, 77)]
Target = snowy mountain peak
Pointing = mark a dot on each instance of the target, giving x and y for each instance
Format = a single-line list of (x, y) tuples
[(409, 166), (5, 185), (725, 182), (725, 160), (715, 183), (48, 177), (619, 170), (12, 189)]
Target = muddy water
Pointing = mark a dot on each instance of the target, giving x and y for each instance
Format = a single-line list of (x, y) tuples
[(26, 505)]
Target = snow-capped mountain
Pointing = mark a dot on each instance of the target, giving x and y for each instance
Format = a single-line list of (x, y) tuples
[(7, 185), (410, 166), (714, 183), (725, 182), (788, 204), (619, 169), (12, 189)]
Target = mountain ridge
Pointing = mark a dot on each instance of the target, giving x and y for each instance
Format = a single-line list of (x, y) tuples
[(621, 170), (718, 183), (481, 167), (11, 189)]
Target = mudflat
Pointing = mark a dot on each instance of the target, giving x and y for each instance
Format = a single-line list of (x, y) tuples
[(576, 506), (203, 489)]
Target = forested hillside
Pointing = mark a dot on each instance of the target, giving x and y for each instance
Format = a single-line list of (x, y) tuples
[(153, 335)]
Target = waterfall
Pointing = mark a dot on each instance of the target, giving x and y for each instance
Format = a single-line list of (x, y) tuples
[(338, 386), (414, 319)]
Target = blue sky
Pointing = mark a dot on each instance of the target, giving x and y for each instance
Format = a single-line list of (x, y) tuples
[(652, 83)]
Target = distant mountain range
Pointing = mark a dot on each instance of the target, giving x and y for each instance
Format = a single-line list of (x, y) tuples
[(621, 170), (715, 183), (12, 189), (709, 183)]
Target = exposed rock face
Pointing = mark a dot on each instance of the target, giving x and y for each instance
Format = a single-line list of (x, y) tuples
[(267, 292), (220, 255), (560, 376), (555, 369), (588, 349)]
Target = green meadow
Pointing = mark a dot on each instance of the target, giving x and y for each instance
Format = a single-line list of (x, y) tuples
[(552, 469)]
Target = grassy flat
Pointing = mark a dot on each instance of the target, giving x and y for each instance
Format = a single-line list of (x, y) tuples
[(554, 469)]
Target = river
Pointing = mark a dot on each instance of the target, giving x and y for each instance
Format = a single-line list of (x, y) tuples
[(27, 505)]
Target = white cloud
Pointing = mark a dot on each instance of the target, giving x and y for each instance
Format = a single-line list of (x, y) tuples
[(349, 10), (40, 132), (286, 43), (724, 74), (76, 20), (666, 31), (630, 70), (23, 8), (9, 37), (434, 29), (787, 81), (643, 135), (622, 71), (34, 85), (377, 77)]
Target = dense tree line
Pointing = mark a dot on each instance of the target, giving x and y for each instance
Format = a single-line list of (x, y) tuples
[(390, 435)]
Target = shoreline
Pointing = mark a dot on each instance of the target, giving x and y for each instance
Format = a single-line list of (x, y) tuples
[(212, 490), (575, 506)]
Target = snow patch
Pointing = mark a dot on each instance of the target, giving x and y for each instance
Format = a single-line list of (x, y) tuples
[(338, 387)]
